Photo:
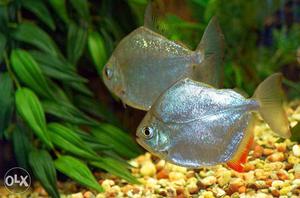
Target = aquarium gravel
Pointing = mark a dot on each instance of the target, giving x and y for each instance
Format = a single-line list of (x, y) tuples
[(272, 170)]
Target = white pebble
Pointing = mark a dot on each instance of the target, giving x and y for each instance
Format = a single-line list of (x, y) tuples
[(77, 195), (210, 180), (148, 169), (296, 150)]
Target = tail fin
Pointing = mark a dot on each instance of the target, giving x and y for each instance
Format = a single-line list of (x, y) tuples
[(269, 94), (212, 44)]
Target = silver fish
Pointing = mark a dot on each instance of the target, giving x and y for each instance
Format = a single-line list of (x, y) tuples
[(193, 124), (146, 63)]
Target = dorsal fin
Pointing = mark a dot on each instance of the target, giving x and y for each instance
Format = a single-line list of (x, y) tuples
[(240, 157), (151, 18)]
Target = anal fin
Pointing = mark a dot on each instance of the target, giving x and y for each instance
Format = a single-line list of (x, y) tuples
[(237, 163), (240, 157)]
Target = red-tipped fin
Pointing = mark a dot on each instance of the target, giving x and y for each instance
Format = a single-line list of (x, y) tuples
[(237, 163)]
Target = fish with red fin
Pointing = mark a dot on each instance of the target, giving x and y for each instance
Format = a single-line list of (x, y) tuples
[(194, 125)]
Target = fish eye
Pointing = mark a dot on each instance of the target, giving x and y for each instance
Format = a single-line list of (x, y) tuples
[(147, 132), (108, 73)]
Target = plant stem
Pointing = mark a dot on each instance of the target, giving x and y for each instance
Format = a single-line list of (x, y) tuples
[(10, 72)]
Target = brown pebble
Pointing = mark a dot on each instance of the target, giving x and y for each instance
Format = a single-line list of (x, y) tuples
[(242, 189), (193, 190), (163, 174), (281, 147), (276, 157), (252, 186), (275, 193), (200, 185), (297, 175), (88, 194), (179, 191), (282, 175), (181, 196), (234, 188), (258, 151), (288, 166), (163, 193), (268, 152), (269, 182), (248, 167), (190, 174)]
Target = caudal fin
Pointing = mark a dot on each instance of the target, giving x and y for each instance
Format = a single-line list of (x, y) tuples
[(212, 45), (269, 94)]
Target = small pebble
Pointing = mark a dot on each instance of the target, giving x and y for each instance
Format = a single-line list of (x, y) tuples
[(276, 157), (210, 180), (88, 194), (296, 150), (148, 169), (176, 176), (77, 195)]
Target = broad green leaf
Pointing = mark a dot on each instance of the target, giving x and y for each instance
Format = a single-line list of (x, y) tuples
[(21, 145), (120, 141), (43, 169), (78, 171), (34, 35), (76, 42), (70, 141), (6, 101), (2, 45), (97, 50), (56, 67), (115, 167), (81, 87), (29, 72), (40, 10), (31, 110), (95, 108), (81, 7), (296, 133), (68, 113), (60, 8)]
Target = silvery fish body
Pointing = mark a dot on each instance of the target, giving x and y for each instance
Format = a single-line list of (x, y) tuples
[(202, 126), (193, 124), (145, 63)]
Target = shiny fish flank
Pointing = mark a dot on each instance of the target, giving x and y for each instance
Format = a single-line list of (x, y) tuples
[(145, 63), (194, 125)]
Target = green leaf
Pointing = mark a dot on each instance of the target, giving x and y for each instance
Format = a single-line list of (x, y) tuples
[(97, 50), (68, 113), (40, 10), (296, 133), (60, 8), (95, 108), (2, 45), (31, 110), (32, 34), (76, 42), (29, 72), (81, 7), (56, 67), (78, 171), (70, 141), (43, 169), (6, 101), (116, 168), (21, 145), (82, 88), (120, 141)]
